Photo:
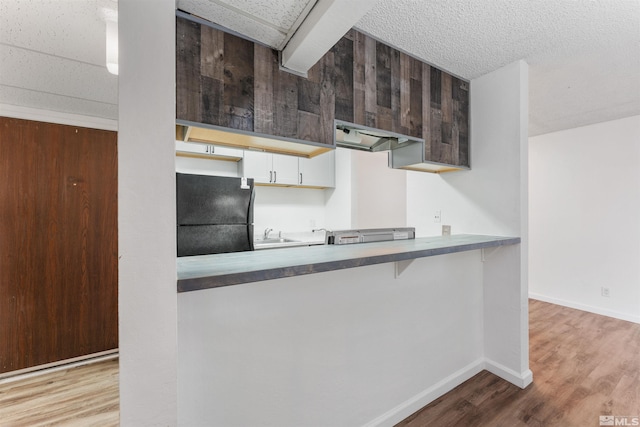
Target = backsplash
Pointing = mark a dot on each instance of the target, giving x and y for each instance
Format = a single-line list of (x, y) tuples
[(288, 209)]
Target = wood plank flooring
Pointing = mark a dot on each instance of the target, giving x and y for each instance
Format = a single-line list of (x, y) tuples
[(584, 366), (82, 396)]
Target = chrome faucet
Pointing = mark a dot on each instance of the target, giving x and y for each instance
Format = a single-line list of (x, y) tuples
[(321, 229), (266, 233)]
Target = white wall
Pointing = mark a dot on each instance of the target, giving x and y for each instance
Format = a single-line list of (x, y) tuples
[(368, 193), (288, 209), (491, 198), (146, 214), (585, 218), (380, 193), (339, 212)]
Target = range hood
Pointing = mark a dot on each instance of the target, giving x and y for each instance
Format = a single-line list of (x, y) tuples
[(405, 152), (349, 135)]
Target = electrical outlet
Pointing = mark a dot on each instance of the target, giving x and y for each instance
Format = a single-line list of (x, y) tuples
[(605, 292), (437, 217), (446, 230)]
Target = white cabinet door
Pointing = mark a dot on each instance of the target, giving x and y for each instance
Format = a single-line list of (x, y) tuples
[(257, 165), (285, 170), (267, 168), (319, 171)]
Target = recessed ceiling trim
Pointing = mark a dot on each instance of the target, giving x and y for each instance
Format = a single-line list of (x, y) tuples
[(250, 16), (325, 24), (203, 21), (297, 23)]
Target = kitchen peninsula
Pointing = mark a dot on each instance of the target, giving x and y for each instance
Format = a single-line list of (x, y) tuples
[(403, 324), (211, 271)]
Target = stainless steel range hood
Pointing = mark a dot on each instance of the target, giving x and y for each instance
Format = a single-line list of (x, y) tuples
[(405, 152), (349, 135)]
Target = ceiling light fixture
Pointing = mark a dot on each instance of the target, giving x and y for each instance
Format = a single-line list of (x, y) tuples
[(112, 46)]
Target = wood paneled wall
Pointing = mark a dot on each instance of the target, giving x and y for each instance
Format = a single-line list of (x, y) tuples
[(58, 243)]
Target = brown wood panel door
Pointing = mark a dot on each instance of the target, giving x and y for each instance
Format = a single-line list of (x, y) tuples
[(58, 243)]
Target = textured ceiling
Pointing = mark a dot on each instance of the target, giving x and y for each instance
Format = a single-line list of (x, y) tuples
[(584, 55), (52, 56), (271, 22)]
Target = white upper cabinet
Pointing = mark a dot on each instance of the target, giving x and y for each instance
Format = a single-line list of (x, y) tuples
[(285, 169), (319, 171), (257, 165), (278, 169)]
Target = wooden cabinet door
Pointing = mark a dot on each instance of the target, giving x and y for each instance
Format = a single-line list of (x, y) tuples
[(58, 244), (228, 81), (447, 127)]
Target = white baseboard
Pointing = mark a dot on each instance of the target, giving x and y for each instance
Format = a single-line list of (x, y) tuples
[(507, 374), (588, 308), (58, 366), (422, 399), (61, 118)]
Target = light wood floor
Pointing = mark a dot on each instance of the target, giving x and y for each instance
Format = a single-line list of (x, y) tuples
[(584, 366), (82, 396)]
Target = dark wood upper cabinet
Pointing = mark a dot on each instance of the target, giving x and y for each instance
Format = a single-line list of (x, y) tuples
[(229, 82), (384, 88)]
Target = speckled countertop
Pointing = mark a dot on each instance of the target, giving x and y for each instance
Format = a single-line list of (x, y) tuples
[(211, 271)]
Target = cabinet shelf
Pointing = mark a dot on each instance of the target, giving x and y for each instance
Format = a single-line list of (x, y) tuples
[(209, 134)]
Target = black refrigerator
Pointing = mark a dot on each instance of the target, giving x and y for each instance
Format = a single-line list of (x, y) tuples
[(215, 214)]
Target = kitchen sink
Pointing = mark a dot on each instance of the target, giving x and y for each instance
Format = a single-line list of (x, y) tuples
[(274, 240), (282, 242)]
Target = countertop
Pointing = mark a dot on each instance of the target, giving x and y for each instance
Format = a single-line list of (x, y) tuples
[(211, 271)]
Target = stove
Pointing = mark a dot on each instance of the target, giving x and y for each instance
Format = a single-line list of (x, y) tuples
[(347, 237)]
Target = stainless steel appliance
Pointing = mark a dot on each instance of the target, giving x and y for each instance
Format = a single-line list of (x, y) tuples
[(350, 135), (214, 214), (345, 237)]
